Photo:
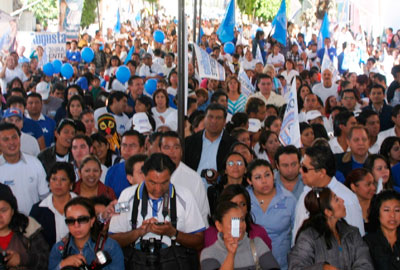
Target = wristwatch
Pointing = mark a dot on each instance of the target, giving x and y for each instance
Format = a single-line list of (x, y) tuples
[(173, 238)]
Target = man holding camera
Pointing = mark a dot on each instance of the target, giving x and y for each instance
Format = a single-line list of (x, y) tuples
[(160, 217)]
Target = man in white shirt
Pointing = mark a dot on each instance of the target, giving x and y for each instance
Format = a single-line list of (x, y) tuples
[(9, 71), (23, 173), (264, 91), (326, 88), (153, 223), (170, 144), (318, 170), (150, 69)]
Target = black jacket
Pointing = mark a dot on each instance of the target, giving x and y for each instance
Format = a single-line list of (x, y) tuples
[(383, 256), (194, 146), (48, 158), (46, 218)]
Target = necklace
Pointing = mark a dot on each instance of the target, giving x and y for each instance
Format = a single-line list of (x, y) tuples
[(261, 202)]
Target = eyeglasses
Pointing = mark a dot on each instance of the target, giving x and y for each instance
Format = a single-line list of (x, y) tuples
[(231, 163), (80, 220), (305, 169)]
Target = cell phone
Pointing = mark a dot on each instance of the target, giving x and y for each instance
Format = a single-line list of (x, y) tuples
[(159, 223), (121, 207), (235, 226)]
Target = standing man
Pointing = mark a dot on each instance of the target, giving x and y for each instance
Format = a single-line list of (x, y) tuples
[(21, 172)]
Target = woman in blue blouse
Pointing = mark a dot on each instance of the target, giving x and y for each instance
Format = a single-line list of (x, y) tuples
[(272, 207), (236, 100), (80, 246)]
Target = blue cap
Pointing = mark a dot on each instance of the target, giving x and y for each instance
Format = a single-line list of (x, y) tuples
[(12, 112)]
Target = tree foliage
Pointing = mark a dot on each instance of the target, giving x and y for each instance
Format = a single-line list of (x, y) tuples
[(265, 9), (44, 10), (88, 13)]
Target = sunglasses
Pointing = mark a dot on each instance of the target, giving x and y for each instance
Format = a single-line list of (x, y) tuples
[(306, 170), (80, 220), (231, 163)]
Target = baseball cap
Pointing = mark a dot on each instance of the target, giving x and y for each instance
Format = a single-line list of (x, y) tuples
[(12, 112), (141, 123), (43, 88), (311, 115), (254, 125)]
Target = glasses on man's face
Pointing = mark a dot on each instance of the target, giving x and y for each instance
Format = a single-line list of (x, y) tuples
[(306, 170), (80, 220), (238, 163)]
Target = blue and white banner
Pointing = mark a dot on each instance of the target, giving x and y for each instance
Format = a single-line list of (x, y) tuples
[(70, 17), (247, 88), (208, 67), (8, 33), (53, 44), (290, 130)]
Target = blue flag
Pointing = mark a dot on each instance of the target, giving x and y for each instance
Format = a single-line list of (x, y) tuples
[(323, 31), (201, 33), (280, 24), (138, 17), (129, 56), (117, 27), (226, 31)]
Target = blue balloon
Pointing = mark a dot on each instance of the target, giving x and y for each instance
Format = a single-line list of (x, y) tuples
[(67, 71), (229, 47), (87, 54), (159, 36), (57, 65), (150, 86), (48, 69), (123, 74)]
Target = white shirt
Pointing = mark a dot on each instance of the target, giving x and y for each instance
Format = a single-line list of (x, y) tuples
[(384, 134), (274, 99), (276, 59), (29, 144), (145, 71), (9, 76), (156, 116), (188, 214), (324, 92), (188, 178), (353, 208), (335, 146), (27, 180), (246, 65), (289, 75), (61, 227), (122, 121)]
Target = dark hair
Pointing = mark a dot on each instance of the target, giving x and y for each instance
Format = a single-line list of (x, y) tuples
[(115, 95), (304, 126), (19, 90), (239, 119), (272, 106), (9, 126), (88, 158), (270, 120), (222, 209), (376, 203), (132, 161), (84, 137), (356, 176), (377, 86), (158, 162), (89, 205), (322, 158), (316, 202), (341, 119), (253, 104), (264, 136), (217, 94), (232, 191), (319, 131), (261, 77), (369, 164), (101, 199), (216, 107), (396, 110), (64, 122), (387, 145), (68, 168), (224, 178), (169, 134), (288, 149), (165, 93), (77, 87), (78, 98), (15, 100), (132, 78), (245, 145), (140, 136), (258, 163), (236, 132), (364, 115)]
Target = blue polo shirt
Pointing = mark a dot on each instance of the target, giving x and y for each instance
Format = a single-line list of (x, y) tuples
[(48, 126), (32, 128), (74, 56), (116, 178)]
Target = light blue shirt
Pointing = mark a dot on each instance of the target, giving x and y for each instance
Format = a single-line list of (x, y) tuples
[(298, 188), (278, 221), (208, 158)]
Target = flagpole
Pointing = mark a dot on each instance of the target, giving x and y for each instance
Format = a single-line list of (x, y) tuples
[(181, 70), (200, 4), (194, 20)]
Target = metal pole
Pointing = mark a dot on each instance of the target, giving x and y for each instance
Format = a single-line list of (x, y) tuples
[(194, 26), (200, 4), (181, 69)]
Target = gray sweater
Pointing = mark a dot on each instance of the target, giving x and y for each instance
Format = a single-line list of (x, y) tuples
[(214, 256), (310, 251)]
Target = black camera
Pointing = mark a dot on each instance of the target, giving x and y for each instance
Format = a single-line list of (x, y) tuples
[(207, 173), (102, 259), (152, 247), (3, 263)]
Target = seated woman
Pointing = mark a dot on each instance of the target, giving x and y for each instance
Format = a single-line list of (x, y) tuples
[(379, 166), (235, 170), (50, 212), (89, 184), (101, 149), (362, 183), (80, 246), (231, 252), (325, 241), (384, 241), (239, 195), (267, 146), (20, 236), (272, 207)]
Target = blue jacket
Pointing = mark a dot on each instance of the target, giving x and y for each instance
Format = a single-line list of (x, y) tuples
[(116, 178)]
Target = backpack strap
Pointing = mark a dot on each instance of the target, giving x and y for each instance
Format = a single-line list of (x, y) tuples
[(173, 207), (136, 200)]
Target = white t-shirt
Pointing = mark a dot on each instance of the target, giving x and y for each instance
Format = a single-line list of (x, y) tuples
[(188, 214), (165, 115), (27, 180), (29, 144), (246, 65), (275, 59), (323, 92), (9, 76)]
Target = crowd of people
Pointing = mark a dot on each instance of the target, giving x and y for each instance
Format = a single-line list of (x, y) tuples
[(93, 171)]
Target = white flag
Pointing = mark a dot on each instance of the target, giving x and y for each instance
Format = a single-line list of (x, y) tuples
[(290, 130)]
